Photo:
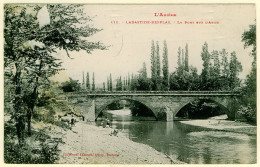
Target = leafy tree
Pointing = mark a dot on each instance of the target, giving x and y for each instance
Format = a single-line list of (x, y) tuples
[(134, 83), (110, 83), (205, 74), (87, 82), (83, 81), (194, 83), (183, 59), (70, 86), (153, 61), (143, 71), (186, 64), (68, 30), (119, 84), (93, 82), (128, 82), (235, 68), (215, 78), (36, 77), (158, 62), (143, 83), (249, 39), (249, 92), (104, 86), (225, 72), (179, 60), (153, 66), (125, 83), (165, 67), (173, 81)]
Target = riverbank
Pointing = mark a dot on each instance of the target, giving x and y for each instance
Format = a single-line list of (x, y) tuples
[(88, 144), (220, 123)]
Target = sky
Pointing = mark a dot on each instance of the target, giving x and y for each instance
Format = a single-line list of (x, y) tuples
[(130, 44)]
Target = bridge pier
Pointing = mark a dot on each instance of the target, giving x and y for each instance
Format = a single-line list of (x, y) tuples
[(165, 114)]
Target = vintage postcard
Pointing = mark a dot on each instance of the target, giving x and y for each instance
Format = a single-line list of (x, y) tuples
[(129, 83)]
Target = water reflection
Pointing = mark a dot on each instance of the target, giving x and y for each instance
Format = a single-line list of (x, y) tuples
[(191, 144)]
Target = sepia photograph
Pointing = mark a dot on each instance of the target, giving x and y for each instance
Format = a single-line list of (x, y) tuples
[(124, 83)]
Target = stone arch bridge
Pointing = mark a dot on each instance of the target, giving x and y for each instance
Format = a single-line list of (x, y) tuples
[(164, 105)]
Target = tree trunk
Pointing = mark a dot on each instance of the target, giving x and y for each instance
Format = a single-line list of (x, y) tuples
[(30, 104), (19, 114), (20, 127), (29, 118)]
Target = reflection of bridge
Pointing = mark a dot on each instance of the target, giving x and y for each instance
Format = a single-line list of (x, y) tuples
[(164, 105)]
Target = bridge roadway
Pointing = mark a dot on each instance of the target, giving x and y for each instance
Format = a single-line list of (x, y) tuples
[(164, 104)]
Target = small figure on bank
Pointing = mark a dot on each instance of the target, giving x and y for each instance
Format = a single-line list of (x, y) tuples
[(72, 121), (108, 122)]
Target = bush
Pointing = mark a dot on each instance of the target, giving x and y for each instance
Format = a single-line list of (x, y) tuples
[(70, 86), (43, 150), (248, 113)]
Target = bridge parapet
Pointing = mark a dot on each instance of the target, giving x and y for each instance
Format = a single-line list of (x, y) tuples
[(154, 93)]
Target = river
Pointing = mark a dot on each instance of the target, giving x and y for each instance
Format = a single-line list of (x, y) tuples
[(190, 144)]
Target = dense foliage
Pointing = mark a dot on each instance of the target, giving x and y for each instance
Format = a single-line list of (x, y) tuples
[(219, 73), (28, 54), (70, 86), (249, 103)]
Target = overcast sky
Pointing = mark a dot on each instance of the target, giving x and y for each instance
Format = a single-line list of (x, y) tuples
[(130, 44)]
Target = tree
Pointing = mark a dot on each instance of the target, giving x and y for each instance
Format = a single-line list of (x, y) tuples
[(183, 59), (249, 39), (119, 84), (158, 62), (70, 86), (143, 71), (87, 81), (186, 64), (142, 82), (153, 61), (83, 81), (235, 67), (215, 78), (134, 83), (194, 83), (104, 86), (40, 66), (224, 70), (128, 82), (68, 30), (110, 83), (155, 65), (249, 91), (165, 67), (205, 74), (179, 59), (93, 82)]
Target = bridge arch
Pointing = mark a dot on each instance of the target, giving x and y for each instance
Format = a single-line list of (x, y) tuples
[(219, 102), (102, 107)]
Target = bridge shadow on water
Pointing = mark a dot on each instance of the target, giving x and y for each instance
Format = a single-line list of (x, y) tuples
[(132, 110), (127, 110)]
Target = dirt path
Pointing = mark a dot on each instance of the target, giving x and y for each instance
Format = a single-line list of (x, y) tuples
[(87, 144)]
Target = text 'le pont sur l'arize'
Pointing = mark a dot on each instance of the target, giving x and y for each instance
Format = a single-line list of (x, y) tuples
[(165, 15)]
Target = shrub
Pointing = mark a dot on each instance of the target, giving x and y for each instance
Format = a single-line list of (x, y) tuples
[(248, 113)]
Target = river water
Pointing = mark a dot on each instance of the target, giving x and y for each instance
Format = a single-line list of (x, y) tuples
[(190, 144)]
